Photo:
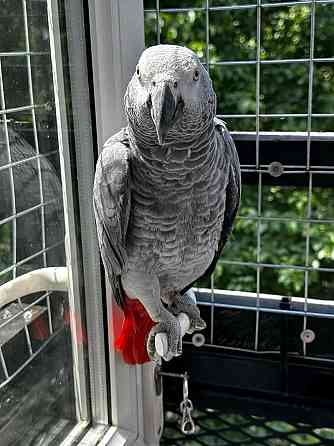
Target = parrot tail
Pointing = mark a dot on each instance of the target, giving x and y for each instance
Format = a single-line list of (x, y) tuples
[(132, 339)]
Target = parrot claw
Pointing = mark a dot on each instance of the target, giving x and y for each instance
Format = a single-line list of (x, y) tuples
[(172, 328), (184, 304)]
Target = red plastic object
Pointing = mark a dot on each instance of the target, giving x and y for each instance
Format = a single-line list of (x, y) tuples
[(134, 333)]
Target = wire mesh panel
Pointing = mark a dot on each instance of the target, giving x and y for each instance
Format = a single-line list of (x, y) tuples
[(37, 398), (272, 68)]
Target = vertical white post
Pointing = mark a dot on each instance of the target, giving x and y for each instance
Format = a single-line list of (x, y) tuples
[(117, 39)]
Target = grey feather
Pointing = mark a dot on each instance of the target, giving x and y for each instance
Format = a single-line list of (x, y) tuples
[(112, 207)]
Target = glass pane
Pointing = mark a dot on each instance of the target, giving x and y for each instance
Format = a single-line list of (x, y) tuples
[(46, 124), (27, 186), (38, 25), (15, 81), (6, 246), (41, 71), (37, 385), (11, 26), (6, 208), (21, 135)]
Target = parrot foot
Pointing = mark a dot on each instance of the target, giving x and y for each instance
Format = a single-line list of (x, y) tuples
[(186, 304), (171, 326)]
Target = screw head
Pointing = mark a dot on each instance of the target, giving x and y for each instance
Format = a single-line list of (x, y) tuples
[(276, 169), (198, 339), (307, 336)]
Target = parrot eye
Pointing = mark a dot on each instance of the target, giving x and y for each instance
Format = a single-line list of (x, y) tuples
[(137, 71), (196, 75)]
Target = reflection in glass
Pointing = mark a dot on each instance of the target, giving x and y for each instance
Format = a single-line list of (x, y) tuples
[(6, 246), (6, 208), (38, 25), (11, 26), (15, 81), (26, 185), (21, 135), (41, 72), (46, 123), (28, 234)]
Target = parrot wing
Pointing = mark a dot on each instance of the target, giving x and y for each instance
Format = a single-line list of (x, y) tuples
[(112, 201), (232, 191)]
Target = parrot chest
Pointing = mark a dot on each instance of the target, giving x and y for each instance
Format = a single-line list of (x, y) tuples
[(175, 226)]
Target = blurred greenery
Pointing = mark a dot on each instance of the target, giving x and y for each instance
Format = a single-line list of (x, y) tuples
[(285, 34)]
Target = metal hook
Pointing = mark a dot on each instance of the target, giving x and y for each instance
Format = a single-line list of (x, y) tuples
[(185, 387), (187, 424)]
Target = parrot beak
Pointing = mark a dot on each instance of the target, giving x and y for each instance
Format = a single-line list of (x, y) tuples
[(163, 110)]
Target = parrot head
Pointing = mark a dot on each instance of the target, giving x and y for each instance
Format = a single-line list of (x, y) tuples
[(170, 95)]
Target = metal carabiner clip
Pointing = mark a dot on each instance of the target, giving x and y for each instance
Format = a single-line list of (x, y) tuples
[(187, 423)]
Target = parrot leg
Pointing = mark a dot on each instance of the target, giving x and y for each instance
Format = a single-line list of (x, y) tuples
[(185, 303), (146, 289)]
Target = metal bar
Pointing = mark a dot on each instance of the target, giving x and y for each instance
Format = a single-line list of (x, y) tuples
[(40, 181), (158, 21), (258, 258), (278, 115), (31, 358), (285, 219), (276, 266), (23, 53), (240, 7), (271, 61), (27, 259), (27, 160), (19, 109), (24, 309), (262, 352), (17, 215), (3, 364)]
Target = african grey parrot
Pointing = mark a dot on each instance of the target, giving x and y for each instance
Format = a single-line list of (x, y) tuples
[(166, 192)]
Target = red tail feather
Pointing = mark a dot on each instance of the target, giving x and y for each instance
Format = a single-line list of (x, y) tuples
[(135, 329)]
